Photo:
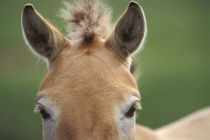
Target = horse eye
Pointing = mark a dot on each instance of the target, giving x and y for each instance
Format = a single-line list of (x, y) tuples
[(131, 111), (44, 113)]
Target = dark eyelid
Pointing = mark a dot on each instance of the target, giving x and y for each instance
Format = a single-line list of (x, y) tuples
[(43, 111), (131, 111), (41, 107), (44, 114)]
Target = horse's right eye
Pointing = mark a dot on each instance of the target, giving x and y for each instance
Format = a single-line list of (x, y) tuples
[(44, 113)]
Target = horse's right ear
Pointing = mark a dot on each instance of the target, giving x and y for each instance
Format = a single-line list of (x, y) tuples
[(41, 36)]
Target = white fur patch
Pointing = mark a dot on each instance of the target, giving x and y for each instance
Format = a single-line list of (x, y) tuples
[(126, 125), (49, 125)]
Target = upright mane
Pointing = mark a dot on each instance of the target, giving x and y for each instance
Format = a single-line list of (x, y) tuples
[(86, 20)]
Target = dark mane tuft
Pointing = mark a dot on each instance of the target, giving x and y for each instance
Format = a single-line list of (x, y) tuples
[(87, 20)]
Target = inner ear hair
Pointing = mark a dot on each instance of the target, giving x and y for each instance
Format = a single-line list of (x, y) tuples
[(129, 31), (42, 37)]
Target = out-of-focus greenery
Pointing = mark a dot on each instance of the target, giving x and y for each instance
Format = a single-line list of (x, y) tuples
[(173, 65)]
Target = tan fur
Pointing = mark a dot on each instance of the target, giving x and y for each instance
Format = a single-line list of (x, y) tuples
[(195, 126), (88, 79), (74, 81)]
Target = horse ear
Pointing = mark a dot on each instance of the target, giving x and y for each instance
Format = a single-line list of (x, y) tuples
[(43, 38), (129, 31)]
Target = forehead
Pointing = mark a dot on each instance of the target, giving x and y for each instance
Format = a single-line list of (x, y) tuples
[(91, 71)]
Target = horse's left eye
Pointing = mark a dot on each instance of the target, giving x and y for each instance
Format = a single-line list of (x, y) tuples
[(131, 111)]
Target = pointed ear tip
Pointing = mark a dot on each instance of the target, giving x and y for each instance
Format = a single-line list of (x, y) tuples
[(133, 4), (28, 7)]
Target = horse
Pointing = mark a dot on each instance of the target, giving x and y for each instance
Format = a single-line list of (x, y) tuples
[(89, 92)]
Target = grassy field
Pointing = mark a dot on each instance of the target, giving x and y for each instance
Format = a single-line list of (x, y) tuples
[(173, 65)]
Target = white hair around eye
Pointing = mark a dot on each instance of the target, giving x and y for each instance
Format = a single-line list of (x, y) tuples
[(126, 117), (50, 112)]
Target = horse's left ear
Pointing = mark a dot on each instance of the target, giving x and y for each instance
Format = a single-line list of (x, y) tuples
[(42, 37), (129, 31)]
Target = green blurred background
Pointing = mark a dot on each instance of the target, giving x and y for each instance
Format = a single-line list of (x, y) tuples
[(173, 66)]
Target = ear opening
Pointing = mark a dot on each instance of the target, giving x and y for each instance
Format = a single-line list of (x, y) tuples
[(41, 36), (129, 32)]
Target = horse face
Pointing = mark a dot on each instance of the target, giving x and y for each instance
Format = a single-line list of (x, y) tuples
[(88, 92)]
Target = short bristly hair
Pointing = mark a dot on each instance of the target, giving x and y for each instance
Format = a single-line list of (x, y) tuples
[(86, 20)]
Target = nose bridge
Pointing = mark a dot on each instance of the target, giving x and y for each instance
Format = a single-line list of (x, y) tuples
[(89, 112), (90, 124)]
